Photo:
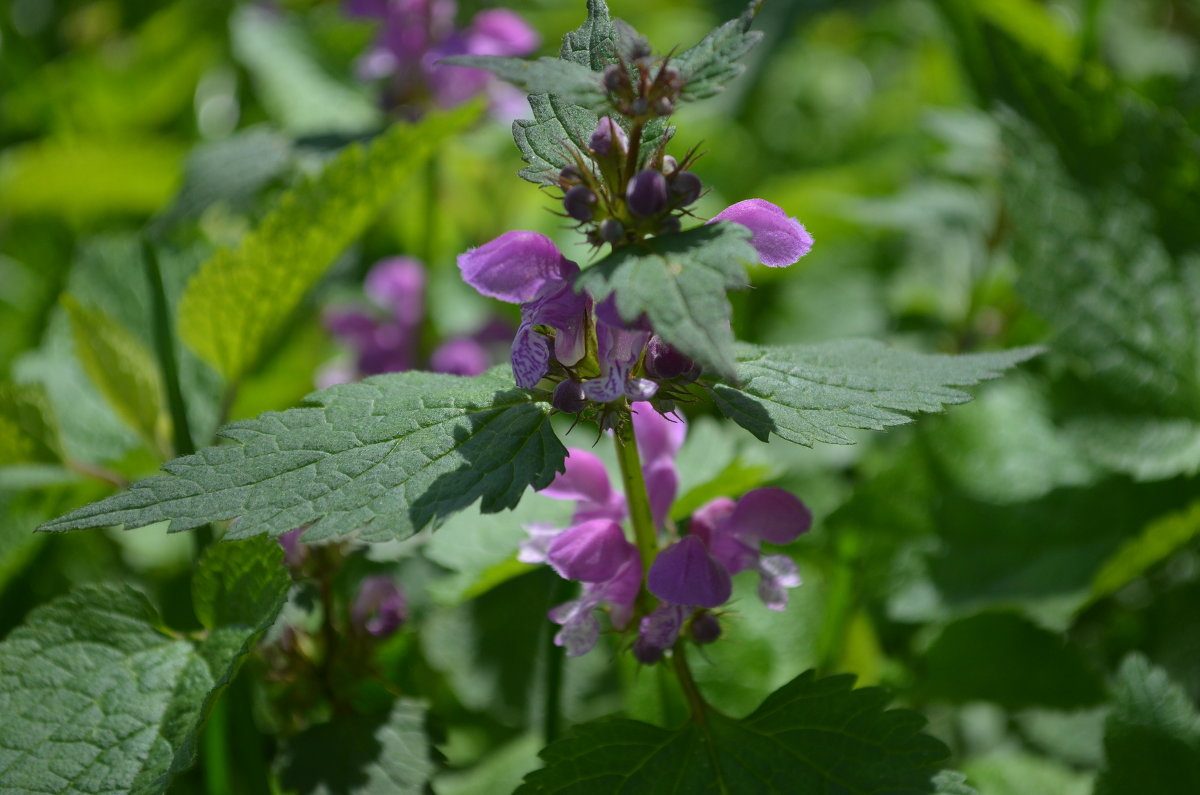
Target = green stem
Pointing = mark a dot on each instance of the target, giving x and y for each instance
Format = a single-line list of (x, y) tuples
[(635, 494), (696, 703)]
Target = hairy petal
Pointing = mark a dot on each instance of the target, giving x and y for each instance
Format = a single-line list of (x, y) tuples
[(590, 552), (685, 574), (769, 514), (779, 240), (517, 267)]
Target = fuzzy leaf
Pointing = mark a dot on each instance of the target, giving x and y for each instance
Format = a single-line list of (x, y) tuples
[(571, 82), (679, 282), (544, 139), (1158, 541), (593, 44), (381, 458), (810, 393), (1152, 736), (96, 698), (812, 735), (361, 755), (237, 300), (239, 582), (712, 63), (28, 429), (122, 369)]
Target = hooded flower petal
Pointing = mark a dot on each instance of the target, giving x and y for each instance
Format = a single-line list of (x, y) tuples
[(779, 240), (769, 514), (585, 478), (517, 267), (662, 483), (658, 437), (460, 356), (590, 551), (685, 574), (498, 31)]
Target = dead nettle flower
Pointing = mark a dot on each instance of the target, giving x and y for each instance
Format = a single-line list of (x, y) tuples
[(416, 34), (379, 607), (385, 336)]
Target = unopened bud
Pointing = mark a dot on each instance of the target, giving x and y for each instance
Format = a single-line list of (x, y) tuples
[(612, 230), (616, 78), (645, 653), (664, 362), (669, 226), (705, 628), (663, 106), (685, 187), (647, 193), (580, 202), (569, 176), (568, 397)]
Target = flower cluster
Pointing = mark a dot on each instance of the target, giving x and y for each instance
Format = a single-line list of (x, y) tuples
[(416, 34), (689, 577), (385, 337)]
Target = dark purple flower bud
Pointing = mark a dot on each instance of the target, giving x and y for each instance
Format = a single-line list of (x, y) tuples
[(616, 79), (669, 226), (665, 362), (663, 106), (647, 193), (569, 176), (685, 187), (645, 652), (639, 106), (607, 131), (580, 203), (380, 606), (612, 230), (568, 397), (705, 628)]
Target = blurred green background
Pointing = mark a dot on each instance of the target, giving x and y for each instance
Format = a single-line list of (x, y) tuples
[(977, 174)]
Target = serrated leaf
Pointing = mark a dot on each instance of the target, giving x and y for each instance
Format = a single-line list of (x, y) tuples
[(712, 63), (1157, 541), (812, 393), (1000, 646), (545, 140), (96, 699), (812, 735), (28, 428), (123, 370), (238, 299), (593, 44), (1092, 266), (1152, 735), (571, 82), (361, 755), (240, 582), (380, 459), (679, 282)]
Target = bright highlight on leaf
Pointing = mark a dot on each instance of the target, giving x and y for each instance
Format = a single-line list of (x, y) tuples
[(238, 299), (379, 459)]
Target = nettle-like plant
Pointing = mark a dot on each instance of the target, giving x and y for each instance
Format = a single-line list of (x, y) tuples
[(92, 687)]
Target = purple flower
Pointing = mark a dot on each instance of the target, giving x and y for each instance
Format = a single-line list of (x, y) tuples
[(580, 627), (417, 33), (733, 531), (779, 240), (686, 574), (294, 552), (526, 268), (459, 356), (380, 607)]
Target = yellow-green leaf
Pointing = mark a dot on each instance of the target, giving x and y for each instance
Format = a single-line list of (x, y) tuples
[(238, 299), (28, 430)]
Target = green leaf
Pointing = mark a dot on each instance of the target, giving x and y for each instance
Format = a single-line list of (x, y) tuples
[(1152, 735), (810, 393), (999, 647), (295, 89), (28, 428), (361, 755), (240, 582), (382, 459), (679, 282), (812, 735), (712, 63), (1143, 447), (1092, 266), (123, 370), (546, 140), (593, 44), (567, 80), (1017, 773), (1159, 540), (97, 699), (237, 300)]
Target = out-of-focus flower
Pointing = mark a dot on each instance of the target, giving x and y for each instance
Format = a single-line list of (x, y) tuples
[(380, 606)]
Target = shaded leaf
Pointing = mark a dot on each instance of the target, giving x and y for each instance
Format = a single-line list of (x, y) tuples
[(679, 282), (237, 300), (381, 459), (1152, 735), (567, 80), (97, 699), (28, 428), (361, 755), (812, 735), (240, 582), (812, 393)]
